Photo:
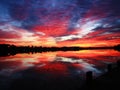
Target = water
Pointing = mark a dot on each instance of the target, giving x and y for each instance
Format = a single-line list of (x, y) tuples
[(54, 66)]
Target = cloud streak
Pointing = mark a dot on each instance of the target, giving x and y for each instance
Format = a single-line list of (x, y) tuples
[(60, 23)]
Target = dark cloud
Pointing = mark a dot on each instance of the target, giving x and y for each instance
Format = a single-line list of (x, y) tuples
[(31, 13)]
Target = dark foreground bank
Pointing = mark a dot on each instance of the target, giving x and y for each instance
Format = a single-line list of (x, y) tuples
[(28, 80)]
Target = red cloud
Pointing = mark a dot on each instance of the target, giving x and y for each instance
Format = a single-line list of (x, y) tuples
[(51, 30), (8, 35)]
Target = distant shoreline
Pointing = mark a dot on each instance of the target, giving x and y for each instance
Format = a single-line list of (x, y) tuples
[(6, 49)]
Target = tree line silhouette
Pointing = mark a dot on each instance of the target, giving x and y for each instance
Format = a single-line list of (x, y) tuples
[(7, 49)]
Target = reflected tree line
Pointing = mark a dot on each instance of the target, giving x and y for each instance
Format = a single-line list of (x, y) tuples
[(7, 49)]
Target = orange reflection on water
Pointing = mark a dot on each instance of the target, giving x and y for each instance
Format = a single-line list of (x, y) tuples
[(10, 64), (103, 55), (57, 64)]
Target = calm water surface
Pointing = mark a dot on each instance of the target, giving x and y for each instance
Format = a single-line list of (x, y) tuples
[(55, 65)]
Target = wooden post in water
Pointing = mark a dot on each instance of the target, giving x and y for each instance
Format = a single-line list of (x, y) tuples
[(109, 67), (118, 63), (89, 76)]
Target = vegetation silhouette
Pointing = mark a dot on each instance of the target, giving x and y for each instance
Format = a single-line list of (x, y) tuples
[(117, 47), (7, 49)]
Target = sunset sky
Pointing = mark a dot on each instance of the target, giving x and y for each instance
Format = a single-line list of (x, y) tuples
[(60, 22)]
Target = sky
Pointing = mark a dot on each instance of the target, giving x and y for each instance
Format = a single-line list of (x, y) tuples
[(60, 22)]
